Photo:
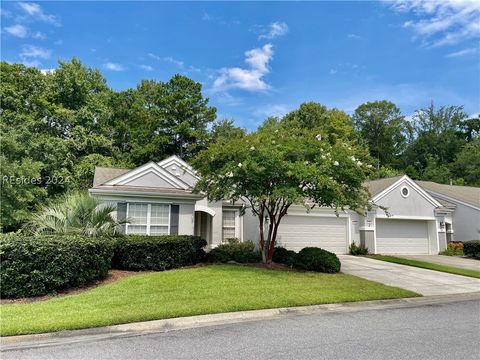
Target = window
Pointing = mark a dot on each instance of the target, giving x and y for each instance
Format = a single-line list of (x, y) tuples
[(405, 192), (138, 216), (159, 219), (229, 224), (148, 219)]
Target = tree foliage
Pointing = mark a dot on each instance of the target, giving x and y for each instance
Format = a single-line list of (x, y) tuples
[(282, 164), (56, 127), (383, 127)]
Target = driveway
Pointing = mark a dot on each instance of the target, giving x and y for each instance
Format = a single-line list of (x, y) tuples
[(422, 281), (454, 261)]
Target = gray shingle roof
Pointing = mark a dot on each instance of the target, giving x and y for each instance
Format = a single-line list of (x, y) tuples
[(103, 174), (466, 194), (377, 186)]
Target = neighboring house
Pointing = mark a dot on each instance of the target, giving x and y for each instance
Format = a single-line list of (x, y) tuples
[(465, 203), (157, 198)]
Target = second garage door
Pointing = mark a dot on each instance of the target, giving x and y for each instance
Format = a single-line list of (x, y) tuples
[(298, 231), (402, 236)]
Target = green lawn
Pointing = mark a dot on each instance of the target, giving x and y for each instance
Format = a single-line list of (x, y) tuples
[(427, 265), (184, 292)]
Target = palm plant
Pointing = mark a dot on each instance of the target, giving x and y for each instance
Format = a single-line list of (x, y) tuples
[(75, 213)]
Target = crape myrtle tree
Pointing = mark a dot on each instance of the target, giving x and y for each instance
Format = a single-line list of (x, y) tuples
[(278, 166)]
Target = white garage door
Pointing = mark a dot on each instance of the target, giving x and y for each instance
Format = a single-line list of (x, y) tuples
[(402, 236), (298, 231)]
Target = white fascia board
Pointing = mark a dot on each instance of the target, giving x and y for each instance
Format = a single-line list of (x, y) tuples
[(144, 169), (143, 194), (395, 217), (413, 184)]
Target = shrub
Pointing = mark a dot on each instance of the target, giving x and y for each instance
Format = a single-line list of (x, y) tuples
[(472, 248), (316, 259), (140, 252), (454, 248), (283, 256), (241, 252), (358, 250), (43, 264)]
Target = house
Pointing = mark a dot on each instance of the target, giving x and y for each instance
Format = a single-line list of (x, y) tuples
[(157, 198)]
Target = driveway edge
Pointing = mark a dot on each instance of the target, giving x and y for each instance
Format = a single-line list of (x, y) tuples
[(21, 342)]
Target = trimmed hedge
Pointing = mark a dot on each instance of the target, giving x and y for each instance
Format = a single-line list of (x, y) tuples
[(43, 264), (140, 252), (316, 259), (283, 256), (472, 248), (241, 252)]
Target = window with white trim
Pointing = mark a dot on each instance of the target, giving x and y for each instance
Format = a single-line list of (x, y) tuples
[(229, 229), (148, 219)]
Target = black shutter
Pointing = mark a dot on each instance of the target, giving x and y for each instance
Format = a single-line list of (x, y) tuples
[(174, 211), (121, 216)]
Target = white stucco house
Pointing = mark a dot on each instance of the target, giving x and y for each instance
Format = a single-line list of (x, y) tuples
[(157, 198)]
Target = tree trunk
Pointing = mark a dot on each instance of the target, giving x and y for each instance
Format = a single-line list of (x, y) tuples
[(262, 235)]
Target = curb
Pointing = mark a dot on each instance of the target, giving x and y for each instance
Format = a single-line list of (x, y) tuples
[(22, 342)]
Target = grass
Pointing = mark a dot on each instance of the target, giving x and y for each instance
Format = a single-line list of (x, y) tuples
[(185, 292), (427, 265)]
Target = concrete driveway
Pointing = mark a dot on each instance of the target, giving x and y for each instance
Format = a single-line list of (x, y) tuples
[(422, 281), (454, 261)]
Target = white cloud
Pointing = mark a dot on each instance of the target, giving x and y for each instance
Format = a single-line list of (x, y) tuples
[(17, 30), (146, 67), (32, 51), (47, 71), (206, 16), (39, 35), (168, 59), (247, 79), (353, 36), (274, 30), (278, 110), (35, 11), (114, 66), (173, 61), (443, 22), (463, 52)]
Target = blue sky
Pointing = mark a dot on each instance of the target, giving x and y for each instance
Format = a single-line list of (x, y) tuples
[(261, 59)]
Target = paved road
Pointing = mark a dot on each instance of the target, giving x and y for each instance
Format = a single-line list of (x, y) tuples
[(422, 281), (447, 331)]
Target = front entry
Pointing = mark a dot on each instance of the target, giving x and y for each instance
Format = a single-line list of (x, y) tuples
[(203, 225)]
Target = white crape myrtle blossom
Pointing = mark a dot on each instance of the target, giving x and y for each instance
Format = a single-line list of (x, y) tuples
[(336, 163), (324, 157), (230, 174), (240, 165), (369, 166), (252, 148), (318, 137), (353, 158), (274, 142), (359, 163)]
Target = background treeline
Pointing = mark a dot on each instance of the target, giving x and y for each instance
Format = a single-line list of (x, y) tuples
[(57, 126)]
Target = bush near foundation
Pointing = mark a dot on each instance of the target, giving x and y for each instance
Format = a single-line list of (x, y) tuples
[(44, 264)]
